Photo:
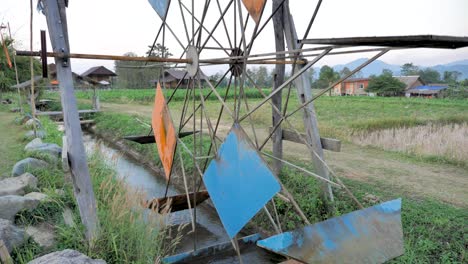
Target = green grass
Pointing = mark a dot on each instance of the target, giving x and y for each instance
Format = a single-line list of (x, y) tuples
[(338, 116), (10, 150), (147, 95), (434, 232), (128, 234)]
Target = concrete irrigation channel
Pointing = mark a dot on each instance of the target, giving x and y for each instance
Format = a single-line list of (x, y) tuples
[(209, 228)]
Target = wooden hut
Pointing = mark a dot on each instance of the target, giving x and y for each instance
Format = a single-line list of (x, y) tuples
[(172, 77)]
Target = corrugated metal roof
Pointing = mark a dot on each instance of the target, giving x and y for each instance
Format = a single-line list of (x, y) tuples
[(356, 80), (99, 70), (426, 89), (176, 75)]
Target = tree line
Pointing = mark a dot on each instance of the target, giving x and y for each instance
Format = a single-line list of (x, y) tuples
[(139, 74), (7, 74)]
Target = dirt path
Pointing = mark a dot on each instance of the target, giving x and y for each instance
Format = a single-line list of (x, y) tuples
[(442, 182)]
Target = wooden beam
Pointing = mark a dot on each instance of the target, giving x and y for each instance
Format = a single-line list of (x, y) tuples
[(55, 113), (327, 143), (276, 100), (82, 122), (417, 41), (65, 164), (57, 24), (304, 93)]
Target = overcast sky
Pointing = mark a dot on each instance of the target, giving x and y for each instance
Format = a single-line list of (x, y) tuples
[(117, 26)]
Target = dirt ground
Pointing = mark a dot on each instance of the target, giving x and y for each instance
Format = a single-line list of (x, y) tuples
[(442, 182)]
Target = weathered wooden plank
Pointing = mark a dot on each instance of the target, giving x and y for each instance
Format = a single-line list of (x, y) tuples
[(65, 164), (57, 24), (175, 203), (416, 41), (327, 143), (82, 122), (276, 100), (55, 113), (150, 139)]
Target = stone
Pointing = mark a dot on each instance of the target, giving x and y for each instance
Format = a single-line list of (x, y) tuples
[(28, 164), (11, 235), (67, 256), (68, 217), (17, 185), (45, 148), (38, 196), (30, 123), (10, 205), (60, 192), (43, 234), (15, 110), (34, 143), (30, 134), (370, 198)]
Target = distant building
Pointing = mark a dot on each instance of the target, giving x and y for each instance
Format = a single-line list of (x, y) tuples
[(172, 77), (411, 81), (100, 74), (353, 86), (430, 90), (78, 80)]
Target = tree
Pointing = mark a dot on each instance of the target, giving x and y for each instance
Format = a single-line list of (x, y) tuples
[(138, 74), (464, 83), (385, 85), (311, 74), (345, 71), (429, 75), (158, 51), (7, 75), (451, 76), (261, 76), (409, 69), (326, 77), (215, 78)]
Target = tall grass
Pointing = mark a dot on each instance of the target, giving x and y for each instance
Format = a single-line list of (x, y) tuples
[(447, 141), (128, 232), (147, 95)]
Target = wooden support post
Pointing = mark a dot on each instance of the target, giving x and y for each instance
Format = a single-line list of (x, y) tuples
[(327, 143), (304, 94), (83, 188), (276, 100)]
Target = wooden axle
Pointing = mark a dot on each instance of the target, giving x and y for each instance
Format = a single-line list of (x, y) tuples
[(145, 59), (101, 57)]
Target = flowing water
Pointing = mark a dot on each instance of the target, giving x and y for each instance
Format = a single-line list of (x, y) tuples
[(209, 228)]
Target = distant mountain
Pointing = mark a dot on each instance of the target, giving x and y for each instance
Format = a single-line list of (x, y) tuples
[(377, 66)]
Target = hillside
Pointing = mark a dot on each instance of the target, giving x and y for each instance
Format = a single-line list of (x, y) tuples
[(377, 66)]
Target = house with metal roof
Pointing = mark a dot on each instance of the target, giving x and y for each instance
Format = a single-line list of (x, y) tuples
[(171, 78), (411, 81), (100, 74), (426, 90)]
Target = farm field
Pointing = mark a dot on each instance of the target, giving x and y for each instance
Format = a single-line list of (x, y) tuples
[(433, 190), (400, 158)]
